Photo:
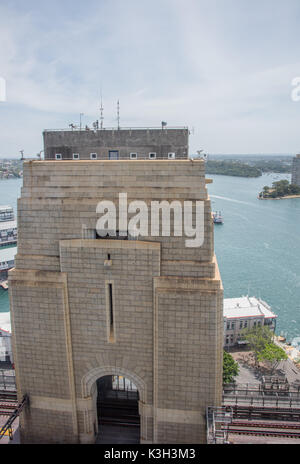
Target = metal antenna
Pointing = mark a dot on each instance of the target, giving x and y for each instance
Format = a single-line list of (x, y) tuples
[(101, 112), (118, 114), (80, 116)]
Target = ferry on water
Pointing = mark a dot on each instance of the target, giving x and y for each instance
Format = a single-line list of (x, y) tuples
[(217, 217)]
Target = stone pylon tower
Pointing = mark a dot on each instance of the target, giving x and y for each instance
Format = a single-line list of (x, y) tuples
[(85, 307)]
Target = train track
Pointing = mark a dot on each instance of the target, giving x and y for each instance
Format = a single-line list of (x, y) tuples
[(270, 433), (123, 421), (7, 408), (8, 403), (271, 413), (8, 395), (269, 425)]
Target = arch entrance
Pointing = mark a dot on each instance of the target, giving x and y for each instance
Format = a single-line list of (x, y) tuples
[(118, 397), (117, 410)]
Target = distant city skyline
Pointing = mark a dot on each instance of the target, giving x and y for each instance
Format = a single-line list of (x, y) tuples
[(224, 69)]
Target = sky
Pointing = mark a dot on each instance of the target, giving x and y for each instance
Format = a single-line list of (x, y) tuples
[(224, 68)]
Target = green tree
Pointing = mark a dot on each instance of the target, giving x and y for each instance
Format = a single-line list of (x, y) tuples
[(258, 338), (272, 354), (294, 189), (230, 368)]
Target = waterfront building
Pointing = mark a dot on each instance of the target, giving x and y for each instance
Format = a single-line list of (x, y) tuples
[(7, 260), (8, 233), (87, 310), (296, 171), (8, 226), (5, 338), (245, 313), (6, 214)]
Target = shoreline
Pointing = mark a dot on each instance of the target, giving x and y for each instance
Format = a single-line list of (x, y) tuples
[(292, 352), (287, 197)]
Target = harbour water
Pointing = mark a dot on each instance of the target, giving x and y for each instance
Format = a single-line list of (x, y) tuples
[(258, 246)]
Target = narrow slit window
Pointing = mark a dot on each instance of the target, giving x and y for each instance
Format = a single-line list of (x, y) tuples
[(110, 309)]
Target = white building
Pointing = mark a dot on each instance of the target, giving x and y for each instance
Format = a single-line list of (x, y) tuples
[(8, 233), (244, 313), (5, 338), (7, 261)]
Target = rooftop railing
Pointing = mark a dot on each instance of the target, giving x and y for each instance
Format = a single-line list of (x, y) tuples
[(116, 129)]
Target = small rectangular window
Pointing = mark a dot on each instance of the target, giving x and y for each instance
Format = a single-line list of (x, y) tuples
[(133, 156), (58, 156), (75, 156), (110, 312), (113, 155), (171, 156), (93, 156), (152, 155)]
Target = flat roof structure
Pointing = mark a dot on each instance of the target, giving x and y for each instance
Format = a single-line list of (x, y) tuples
[(5, 323), (244, 307), (8, 225), (7, 254)]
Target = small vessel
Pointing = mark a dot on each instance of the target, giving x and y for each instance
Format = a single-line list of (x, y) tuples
[(217, 217)]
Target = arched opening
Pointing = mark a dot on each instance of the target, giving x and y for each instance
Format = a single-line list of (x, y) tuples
[(117, 410)]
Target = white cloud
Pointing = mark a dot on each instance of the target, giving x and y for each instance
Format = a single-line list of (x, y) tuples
[(169, 60)]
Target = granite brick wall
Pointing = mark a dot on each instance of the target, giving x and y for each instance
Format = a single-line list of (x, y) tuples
[(167, 334)]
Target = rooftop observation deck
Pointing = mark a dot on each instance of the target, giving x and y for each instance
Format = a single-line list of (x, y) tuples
[(116, 143), (73, 128)]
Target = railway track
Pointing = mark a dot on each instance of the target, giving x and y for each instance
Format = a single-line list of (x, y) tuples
[(269, 425), (8, 395), (264, 428), (270, 433), (8, 403), (118, 412), (6, 409), (126, 422), (263, 413)]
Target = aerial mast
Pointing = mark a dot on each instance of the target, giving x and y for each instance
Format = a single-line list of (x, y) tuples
[(118, 114), (101, 113)]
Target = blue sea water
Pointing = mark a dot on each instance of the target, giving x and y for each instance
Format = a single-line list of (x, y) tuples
[(257, 247)]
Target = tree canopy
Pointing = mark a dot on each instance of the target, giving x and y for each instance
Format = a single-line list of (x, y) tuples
[(260, 340), (281, 188), (230, 368)]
